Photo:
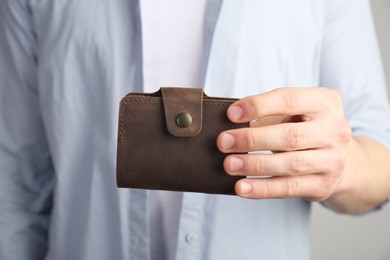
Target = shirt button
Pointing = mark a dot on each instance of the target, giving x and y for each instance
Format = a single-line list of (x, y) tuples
[(189, 238)]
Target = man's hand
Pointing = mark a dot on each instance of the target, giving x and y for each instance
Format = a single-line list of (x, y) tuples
[(314, 154), (308, 130)]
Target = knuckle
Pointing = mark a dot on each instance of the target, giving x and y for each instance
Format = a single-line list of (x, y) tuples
[(298, 164), (293, 187), (258, 166), (340, 162), (295, 137), (267, 189), (262, 189), (256, 106), (339, 165), (250, 140), (291, 98), (325, 188), (342, 134), (333, 97), (345, 133)]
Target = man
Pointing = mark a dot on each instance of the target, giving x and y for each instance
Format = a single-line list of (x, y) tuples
[(64, 65)]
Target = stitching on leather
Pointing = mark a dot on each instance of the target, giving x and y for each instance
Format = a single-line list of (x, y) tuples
[(122, 111), (122, 116), (211, 103), (151, 100), (143, 100)]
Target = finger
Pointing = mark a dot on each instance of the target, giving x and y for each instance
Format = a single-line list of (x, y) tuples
[(284, 101), (285, 164), (316, 187), (283, 137)]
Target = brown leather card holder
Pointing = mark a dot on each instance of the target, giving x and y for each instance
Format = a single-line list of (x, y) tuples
[(167, 141)]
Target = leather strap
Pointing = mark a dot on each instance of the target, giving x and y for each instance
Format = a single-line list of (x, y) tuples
[(177, 101)]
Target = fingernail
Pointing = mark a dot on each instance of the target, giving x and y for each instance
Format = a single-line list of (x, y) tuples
[(235, 112), (245, 188), (235, 164), (227, 141)]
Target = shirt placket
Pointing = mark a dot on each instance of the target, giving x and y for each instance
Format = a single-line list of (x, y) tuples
[(189, 244)]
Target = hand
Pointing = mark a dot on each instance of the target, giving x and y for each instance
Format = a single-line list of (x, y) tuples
[(307, 128)]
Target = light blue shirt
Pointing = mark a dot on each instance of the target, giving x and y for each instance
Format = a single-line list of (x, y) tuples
[(65, 64)]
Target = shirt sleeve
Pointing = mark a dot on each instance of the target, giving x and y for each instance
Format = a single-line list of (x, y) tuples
[(26, 170), (351, 62)]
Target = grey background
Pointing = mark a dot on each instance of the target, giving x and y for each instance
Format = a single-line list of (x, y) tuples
[(359, 238)]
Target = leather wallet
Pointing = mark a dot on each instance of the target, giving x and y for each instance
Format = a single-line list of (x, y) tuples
[(167, 141)]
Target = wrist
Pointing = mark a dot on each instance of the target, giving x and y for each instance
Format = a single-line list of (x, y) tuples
[(364, 184)]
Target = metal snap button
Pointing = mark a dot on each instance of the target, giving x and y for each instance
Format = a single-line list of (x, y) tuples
[(184, 120)]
